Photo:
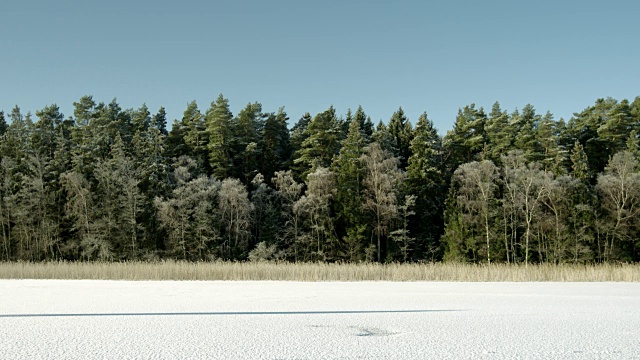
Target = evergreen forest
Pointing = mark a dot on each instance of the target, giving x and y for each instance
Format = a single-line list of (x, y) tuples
[(504, 185)]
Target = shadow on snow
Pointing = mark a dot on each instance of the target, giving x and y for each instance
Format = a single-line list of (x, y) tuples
[(329, 312)]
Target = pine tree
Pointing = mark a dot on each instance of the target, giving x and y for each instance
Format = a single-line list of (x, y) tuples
[(525, 125), (275, 145), (499, 133), (586, 128), (247, 127), (547, 139), (616, 124), (298, 135), (218, 120), (195, 137), (44, 137), (321, 143), (140, 119), (466, 142)]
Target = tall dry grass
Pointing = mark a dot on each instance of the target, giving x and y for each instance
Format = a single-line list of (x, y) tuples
[(176, 270)]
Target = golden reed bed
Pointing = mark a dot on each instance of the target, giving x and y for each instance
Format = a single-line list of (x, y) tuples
[(177, 270)]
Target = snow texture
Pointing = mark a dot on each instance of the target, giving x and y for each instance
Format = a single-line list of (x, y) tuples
[(51, 319)]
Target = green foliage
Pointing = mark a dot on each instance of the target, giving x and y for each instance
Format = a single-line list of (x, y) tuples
[(425, 182), (263, 252), (218, 122), (275, 149), (115, 184), (247, 141), (321, 142), (500, 133), (466, 142), (350, 173), (402, 134)]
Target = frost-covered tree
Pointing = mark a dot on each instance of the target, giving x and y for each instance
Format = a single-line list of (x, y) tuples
[(235, 211), (289, 192), (382, 179)]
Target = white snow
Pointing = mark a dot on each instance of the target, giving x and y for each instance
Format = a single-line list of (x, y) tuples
[(43, 319)]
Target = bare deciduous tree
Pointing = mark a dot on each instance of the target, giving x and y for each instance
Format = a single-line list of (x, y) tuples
[(289, 191), (528, 185), (619, 187), (476, 192), (315, 205), (235, 212), (381, 181)]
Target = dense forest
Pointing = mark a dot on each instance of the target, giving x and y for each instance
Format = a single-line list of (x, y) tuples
[(515, 187)]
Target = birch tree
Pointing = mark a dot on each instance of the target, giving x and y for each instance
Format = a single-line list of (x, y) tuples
[(527, 185), (619, 188), (476, 193), (235, 211), (315, 205), (381, 181)]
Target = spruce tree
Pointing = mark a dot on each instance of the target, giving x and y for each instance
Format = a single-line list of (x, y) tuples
[(350, 174), (366, 125), (3, 124), (402, 133), (425, 182), (159, 121)]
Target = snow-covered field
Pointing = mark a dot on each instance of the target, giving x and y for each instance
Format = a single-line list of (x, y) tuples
[(294, 320)]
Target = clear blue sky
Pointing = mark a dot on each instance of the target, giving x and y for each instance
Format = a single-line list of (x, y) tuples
[(434, 56)]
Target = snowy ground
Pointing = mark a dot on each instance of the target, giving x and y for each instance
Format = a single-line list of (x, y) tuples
[(292, 320)]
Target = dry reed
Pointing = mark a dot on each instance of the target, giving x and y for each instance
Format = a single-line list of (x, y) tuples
[(177, 270)]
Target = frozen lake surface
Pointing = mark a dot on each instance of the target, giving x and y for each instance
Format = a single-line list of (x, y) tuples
[(295, 320)]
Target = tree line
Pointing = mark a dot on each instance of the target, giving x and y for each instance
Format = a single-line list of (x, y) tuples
[(515, 187)]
